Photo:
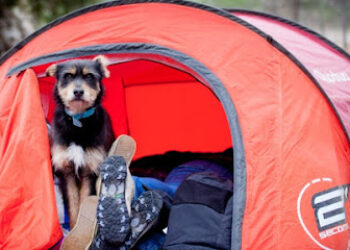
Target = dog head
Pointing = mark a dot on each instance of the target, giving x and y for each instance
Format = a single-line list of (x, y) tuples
[(78, 83)]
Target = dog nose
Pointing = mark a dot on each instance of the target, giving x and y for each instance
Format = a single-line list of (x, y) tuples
[(78, 93)]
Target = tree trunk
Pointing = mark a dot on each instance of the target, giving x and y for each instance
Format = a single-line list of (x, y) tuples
[(295, 6), (344, 21), (271, 6), (15, 24)]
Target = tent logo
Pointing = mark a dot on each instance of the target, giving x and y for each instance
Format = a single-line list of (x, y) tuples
[(322, 211), (332, 76), (330, 213)]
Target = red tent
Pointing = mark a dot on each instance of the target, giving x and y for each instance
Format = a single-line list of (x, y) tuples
[(186, 76)]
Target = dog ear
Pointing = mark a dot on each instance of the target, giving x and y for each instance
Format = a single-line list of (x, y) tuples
[(51, 71), (103, 62)]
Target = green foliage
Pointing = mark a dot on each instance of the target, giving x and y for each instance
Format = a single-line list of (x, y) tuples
[(45, 11)]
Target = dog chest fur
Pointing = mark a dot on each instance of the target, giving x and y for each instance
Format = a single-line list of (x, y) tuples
[(64, 157), (75, 154)]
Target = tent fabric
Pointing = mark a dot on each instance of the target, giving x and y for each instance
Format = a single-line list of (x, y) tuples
[(328, 64), (291, 149), (27, 205)]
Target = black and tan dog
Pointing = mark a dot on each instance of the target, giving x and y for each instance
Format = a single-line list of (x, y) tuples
[(81, 131)]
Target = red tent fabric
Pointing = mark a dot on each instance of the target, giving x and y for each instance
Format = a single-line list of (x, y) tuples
[(185, 76), (326, 63), (27, 205)]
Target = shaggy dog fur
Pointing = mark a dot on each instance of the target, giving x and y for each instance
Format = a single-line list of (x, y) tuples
[(81, 131)]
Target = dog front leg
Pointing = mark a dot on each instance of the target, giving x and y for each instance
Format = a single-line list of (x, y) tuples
[(73, 199), (85, 188)]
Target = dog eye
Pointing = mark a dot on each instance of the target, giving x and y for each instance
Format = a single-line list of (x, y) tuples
[(68, 76), (89, 76)]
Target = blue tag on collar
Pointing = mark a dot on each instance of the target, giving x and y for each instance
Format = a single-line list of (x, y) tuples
[(76, 117), (77, 123)]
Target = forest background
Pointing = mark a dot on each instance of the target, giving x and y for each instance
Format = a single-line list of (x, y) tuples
[(331, 18)]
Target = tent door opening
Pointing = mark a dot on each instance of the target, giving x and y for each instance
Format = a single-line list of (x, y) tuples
[(159, 103)]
